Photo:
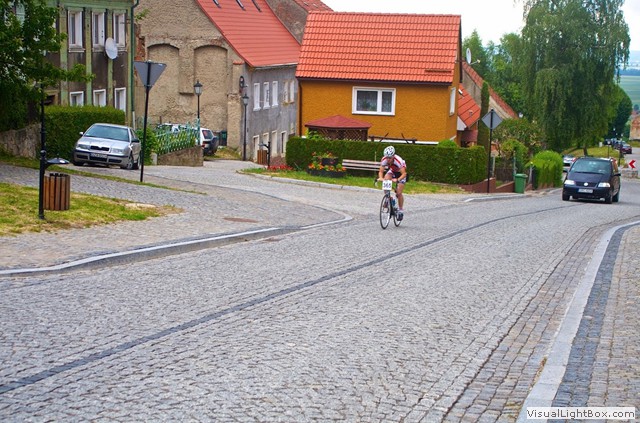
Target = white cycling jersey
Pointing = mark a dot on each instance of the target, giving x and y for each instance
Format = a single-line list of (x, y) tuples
[(393, 164)]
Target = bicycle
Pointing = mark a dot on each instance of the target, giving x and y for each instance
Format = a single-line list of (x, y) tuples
[(389, 204)]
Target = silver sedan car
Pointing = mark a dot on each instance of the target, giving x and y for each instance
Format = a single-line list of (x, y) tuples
[(108, 144)]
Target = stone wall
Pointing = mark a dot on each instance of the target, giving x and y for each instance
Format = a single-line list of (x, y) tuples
[(187, 157), (23, 142)]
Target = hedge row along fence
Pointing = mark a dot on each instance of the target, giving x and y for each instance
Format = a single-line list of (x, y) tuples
[(63, 125), (449, 165)]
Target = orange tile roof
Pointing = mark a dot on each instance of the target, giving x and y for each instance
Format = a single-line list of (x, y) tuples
[(254, 31), (380, 47), (468, 109)]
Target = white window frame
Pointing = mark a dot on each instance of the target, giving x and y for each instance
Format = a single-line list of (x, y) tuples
[(100, 98), (256, 146), (119, 29), (266, 89), (97, 29), (452, 101), (75, 31), (120, 98), (274, 94), (76, 98), (292, 91), (282, 142), (379, 101), (20, 12), (256, 96)]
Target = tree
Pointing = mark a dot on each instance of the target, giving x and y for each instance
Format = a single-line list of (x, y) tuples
[(503, 74), (27, 34), (571, 52), (620, 111), (479, 56)]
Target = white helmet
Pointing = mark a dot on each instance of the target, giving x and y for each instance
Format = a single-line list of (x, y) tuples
[(389, 151)]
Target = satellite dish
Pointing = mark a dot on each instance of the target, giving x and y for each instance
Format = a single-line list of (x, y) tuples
[(110, 48), (468, 55)]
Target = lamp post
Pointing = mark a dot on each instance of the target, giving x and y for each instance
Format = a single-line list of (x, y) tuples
[(43, 155), (197, 88), (245, 102)]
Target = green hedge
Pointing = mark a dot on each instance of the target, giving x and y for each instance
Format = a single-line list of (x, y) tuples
[(63, 125), (548, 167), (451, 165)]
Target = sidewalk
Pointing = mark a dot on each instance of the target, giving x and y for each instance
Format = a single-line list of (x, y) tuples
[(211, 215)]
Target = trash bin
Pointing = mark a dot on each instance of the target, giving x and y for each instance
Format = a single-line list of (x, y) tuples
[(57, 191), (262, 157), (520, 182), (223, 138)]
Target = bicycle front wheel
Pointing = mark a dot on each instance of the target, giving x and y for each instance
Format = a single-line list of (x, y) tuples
[(385, 212)]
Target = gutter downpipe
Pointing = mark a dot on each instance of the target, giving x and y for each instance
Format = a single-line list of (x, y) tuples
[(132, 58)]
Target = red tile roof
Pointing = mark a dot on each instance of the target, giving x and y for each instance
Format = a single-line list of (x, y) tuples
[(311, 5), (478, 81), (338, 122), (380, 47), (254, 31), (468, 109)]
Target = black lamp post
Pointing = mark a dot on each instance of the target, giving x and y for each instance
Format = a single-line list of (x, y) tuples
[(197, 88), (245, 102)]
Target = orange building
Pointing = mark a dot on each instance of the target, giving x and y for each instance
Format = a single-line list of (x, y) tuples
[(399, 72)]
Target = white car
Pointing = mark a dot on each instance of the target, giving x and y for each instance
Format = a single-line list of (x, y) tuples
[(108, 144), (209, 141)]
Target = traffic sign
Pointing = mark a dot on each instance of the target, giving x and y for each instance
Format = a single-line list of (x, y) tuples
[(492, 120), (632, 164), (149, 72)]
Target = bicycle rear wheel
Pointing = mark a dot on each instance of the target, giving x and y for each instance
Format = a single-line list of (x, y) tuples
[(385, 212)]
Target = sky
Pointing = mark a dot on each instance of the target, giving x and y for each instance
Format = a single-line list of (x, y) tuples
[(492, 19)]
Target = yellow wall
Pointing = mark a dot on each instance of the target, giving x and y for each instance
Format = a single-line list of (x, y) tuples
[(422, 111)]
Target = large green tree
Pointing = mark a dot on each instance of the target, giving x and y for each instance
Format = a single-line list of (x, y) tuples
[(27, 34), (620, 111), (571, 52)]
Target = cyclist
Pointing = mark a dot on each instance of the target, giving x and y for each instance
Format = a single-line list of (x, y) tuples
[(394, 167)]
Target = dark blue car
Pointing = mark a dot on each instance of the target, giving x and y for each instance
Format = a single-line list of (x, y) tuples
[(592, 178)]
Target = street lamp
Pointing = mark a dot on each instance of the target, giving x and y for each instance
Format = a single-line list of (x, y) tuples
[(245, 101), (197, 88)]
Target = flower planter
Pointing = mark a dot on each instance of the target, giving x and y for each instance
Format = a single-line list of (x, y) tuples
[(329, 161), (326, 173)]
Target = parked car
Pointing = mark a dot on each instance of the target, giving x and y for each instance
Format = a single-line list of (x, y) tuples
[(625, 148), (209, 141), (592, 178), (108, 144), (567, 160)]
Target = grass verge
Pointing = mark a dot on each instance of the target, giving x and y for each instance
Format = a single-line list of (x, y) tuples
[(19, 211), (412, 187)]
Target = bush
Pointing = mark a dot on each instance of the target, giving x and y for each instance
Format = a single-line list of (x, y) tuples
[(63, 125), (548, 167)]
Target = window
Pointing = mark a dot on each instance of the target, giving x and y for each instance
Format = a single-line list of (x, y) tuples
[(100, 98), (120, 99), (267, 95), (452, 102), (119, 32), (274, 139), (381, 101), (274, 94), (76, 98), (282, 142), (75, 29), (97, 29), (292, 91), (256, 96), (20, 12)]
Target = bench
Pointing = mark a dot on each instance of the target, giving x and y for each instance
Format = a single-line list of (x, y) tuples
[(360, 165)]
